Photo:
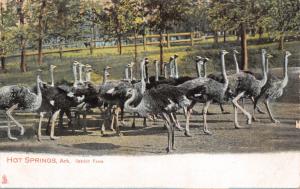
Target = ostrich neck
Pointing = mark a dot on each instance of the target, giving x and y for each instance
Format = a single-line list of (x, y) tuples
[(75, 76), (237, 69), (38, 87), (52, 77), (166, 71), (176, 68), (88, 76), (285, 79), (131, 73), (204, 69), (156, 71), (80, 74), (267, 65), (126, 74), (104, 77), (264, 79), (198, 67), (143, 89), (224, 71), (127, 106)]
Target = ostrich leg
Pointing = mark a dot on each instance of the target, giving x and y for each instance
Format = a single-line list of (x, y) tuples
[(117, 111), (205, 108), (236, 105), (168, 125), (173, 131), (222, 109), (8, 130), (266, 102), (9, 111), (53, 120), (133, 121), (39, 131), (145, 122), (187, 120), (177, 124)]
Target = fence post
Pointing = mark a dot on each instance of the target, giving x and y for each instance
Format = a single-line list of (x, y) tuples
[(60, 51), (168, 40), (144, 41), (91, 46), (192, 38)]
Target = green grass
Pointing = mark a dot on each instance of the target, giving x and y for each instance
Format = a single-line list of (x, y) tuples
[(110, 56)]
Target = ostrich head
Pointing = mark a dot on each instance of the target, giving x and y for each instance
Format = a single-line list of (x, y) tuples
[(175, 56), (146, 61), (263, 51), (269, 55), (287, 53), (171, 58), (205, 59), (75, 64), (235, 51), (223, 52), (52, 67), (199, 60)]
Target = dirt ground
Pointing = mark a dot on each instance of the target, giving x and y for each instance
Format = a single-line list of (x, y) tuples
[(262, 136)]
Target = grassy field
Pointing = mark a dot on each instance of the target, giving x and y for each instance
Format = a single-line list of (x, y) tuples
[(109, 56)]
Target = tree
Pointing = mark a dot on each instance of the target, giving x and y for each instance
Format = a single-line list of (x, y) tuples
[(115, 20), (285, 17), (243, 16), (21, 14), (163, 15)]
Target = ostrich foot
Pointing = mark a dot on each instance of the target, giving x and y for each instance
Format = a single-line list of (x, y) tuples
[(179, 128), (187, 134), (54, 137), (275, 121), (169, 150), (261, 112), (174, 148), (237, 126), (40, 138), (112, 129), (249, 121), (207, 132), (225, 112), (255, 119)]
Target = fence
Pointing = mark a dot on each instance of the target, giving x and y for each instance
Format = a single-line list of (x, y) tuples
[(143, 40)]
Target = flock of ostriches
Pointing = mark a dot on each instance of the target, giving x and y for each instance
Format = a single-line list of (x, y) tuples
[(155, 97)]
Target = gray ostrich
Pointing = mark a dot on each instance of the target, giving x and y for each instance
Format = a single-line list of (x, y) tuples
[(205, 90), (274, 88), (162, 100), (16, 97)]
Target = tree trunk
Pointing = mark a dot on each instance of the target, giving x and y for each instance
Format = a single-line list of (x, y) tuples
[(135, 53), (224, 36), (161, 52), (3, 62), (120, 44), (40, 32), (23, 65), (216, 38), (2, 37), (281, 42), (244, 47)]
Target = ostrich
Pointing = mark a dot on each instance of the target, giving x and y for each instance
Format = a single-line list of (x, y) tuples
[(163, 100), (274, 88), (205, 90), (16, 97), (112, 99)]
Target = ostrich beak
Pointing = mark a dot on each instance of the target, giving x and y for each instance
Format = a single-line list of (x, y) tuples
[(287, 53), (108, 67), (224, 52), (235, 51), (198, 58)]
